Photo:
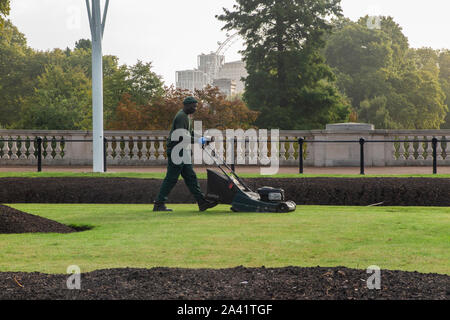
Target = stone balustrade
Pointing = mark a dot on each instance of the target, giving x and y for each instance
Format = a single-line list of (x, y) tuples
[(147, 148)]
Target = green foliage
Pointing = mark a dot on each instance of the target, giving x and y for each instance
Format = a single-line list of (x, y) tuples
[(444, 79), (143, 84), (52, 89), (288, 80), (85, 44), (15, 73), (4, 10), (388, 84), (61, 101)]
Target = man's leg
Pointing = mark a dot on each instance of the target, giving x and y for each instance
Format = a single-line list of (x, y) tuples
[(190, 178), (171, 179)]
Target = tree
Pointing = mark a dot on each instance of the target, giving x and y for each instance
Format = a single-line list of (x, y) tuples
[(388, 84), (144, 84), (61, 101), (288, 80), (138, 81), (14, 73), (85, 44), (361, 58), (444, 79), (4, 10), (214, 110)]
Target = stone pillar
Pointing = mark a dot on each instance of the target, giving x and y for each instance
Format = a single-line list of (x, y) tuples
[(346, 154)]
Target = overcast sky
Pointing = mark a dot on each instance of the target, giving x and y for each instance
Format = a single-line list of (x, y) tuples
[(171, 33)]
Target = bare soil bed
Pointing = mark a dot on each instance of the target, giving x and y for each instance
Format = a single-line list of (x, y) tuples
[(304, 191), (290, 283), (15, 221)]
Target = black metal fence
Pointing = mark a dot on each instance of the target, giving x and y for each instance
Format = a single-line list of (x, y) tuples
[(362, 142), (38, 141)]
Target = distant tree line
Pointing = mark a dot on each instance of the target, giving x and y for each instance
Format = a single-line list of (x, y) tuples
[(52, 90), (304, 71), (388, 83)]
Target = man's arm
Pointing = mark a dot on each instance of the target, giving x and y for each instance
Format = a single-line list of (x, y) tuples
[(183, 123)]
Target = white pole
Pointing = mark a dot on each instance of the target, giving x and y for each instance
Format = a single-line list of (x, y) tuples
[(97, 27)]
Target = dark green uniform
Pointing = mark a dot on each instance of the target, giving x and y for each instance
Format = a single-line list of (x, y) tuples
[(181, 121)]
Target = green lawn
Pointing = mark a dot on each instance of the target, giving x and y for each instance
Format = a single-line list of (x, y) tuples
[(161, 175), (399, 238)]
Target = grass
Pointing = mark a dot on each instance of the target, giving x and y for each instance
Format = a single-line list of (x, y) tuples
[(396, 238), (161, 175)]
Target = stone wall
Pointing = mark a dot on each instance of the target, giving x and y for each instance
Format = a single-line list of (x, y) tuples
[(147, 148)]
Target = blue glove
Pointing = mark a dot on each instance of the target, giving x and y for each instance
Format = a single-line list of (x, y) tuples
[(202, 141)]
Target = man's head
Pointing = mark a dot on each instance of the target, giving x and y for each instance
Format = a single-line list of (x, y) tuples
[(190, 105)]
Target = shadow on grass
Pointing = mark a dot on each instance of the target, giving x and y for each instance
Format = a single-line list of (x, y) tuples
[(213, 213), (80, 227)]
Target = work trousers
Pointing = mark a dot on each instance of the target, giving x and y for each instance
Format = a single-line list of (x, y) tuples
[(171, 179)]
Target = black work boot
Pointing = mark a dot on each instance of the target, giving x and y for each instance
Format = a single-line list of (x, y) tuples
[(205, 204), (161, 206)]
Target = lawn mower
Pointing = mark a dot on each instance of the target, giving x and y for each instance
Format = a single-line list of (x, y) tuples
[(226, 187)]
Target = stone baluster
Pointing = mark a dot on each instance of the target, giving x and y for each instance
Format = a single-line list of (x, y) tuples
[(119, 148), (308, 149), (161, 141), (402, 150), (58, 148), (109, 148), (291, 150), (49, 149), (240, 151), (410, 150), (447, 149), (275, 150), (14, 148), (420, 150), (135, 150), (429, 152), (6, 148), (220, 150), (282, 148), (230, 154), (144, 150), (263, 151), (394, 150), (439, 149), (252, 151), (31, 150), (126, 149), (152, 150), (23, 149)]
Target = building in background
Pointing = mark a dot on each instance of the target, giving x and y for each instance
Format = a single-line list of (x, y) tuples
[(226, 86), (210, 64), (212, 70), (235, 71), (191, 79)]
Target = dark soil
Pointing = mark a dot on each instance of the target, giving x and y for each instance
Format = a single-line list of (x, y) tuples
[(290, 283), (15, 221), (304, 191)]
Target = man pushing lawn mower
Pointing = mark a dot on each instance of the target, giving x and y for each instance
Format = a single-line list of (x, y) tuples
[(182, 121)]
